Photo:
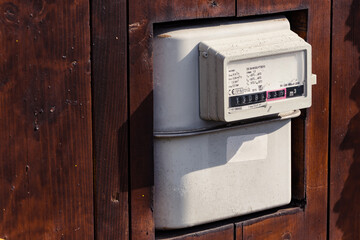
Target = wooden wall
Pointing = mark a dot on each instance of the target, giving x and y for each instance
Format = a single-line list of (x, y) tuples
[(76, 155), (46, 158), (344, 218), (110, 116)]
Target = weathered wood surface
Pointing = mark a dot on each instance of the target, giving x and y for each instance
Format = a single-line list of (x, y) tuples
[(344, 207), (46, 164), (110, 114)]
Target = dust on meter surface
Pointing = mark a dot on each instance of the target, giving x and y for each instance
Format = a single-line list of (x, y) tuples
[(254, 75)]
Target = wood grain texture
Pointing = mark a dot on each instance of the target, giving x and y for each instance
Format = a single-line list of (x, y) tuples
[(256, 7), (109, 68), (285, 225), (239, 233), (141, 21), (317, 123), (345, 122), (225, 232), (46, 164)]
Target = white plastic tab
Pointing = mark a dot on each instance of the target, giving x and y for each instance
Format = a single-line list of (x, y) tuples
[(313, 79)]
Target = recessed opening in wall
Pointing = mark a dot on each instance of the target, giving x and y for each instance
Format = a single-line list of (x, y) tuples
[(299, 24), (228, 142)]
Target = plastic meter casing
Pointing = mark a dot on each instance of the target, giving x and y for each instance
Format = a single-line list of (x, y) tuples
[(206, 171), (254, 75)]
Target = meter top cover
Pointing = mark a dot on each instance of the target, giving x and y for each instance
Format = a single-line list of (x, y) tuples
[(254, 75)]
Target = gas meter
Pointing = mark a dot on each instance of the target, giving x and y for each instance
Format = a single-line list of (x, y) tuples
[(224, 96)]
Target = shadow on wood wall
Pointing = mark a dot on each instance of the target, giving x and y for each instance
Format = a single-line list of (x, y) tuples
[(347, 206)]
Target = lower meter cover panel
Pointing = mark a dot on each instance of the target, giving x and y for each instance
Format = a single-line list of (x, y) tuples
[(209, 176)]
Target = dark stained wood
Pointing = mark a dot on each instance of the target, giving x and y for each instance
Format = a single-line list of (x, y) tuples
[(317, 123), (110, 114), (164, 10), (344, 219), (141, 21), (256, 7), (46, 163), (225, 232), (286, 225)]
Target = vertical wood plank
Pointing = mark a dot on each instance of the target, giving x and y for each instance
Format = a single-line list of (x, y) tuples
[(345, 122), (283, 225), (141, 21), (109, 67), (46, 165), (239, 231), (317, 122)]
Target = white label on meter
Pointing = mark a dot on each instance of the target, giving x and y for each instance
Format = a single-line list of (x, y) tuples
[(251, 83)]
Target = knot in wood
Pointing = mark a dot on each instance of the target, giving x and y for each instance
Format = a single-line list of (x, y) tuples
[(10, 11)]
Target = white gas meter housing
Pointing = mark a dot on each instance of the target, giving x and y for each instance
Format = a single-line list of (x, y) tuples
[(254, 75), (209, 74)]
